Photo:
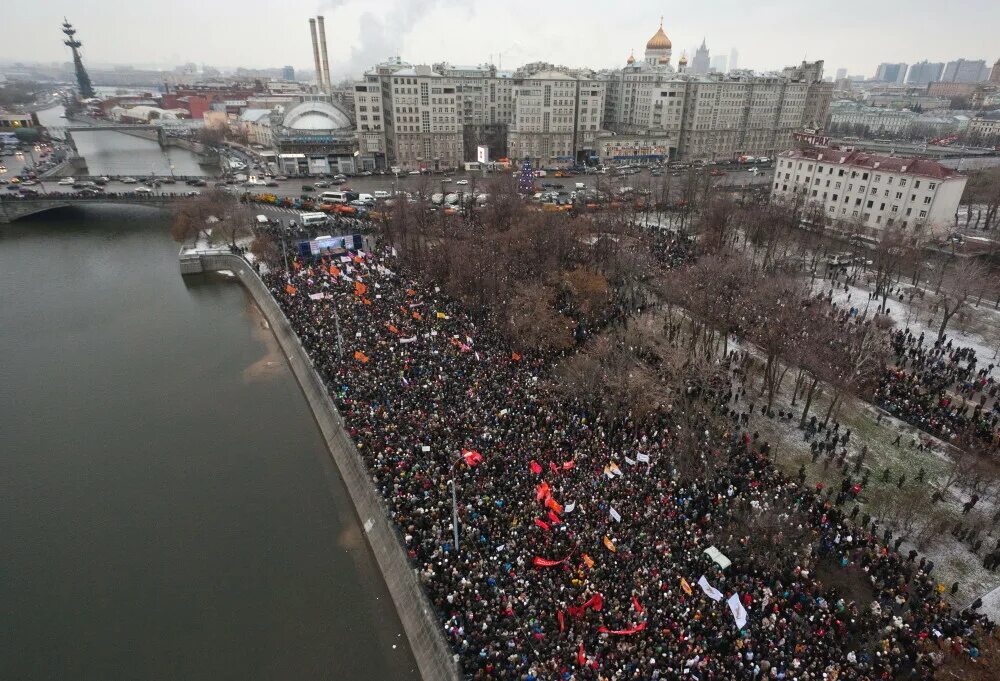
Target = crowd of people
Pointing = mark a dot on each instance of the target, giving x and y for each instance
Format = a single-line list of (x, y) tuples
[(938, 388), (582, 541)]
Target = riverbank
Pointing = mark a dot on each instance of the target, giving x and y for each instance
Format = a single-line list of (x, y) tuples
[(433, 656)]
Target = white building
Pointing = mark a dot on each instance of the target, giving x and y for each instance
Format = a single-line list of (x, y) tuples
[(872, 191), (256, 124)]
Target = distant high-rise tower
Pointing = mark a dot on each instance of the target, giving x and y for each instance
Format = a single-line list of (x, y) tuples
[(719, 63), (841, 74), (288, 73), (82, 78), (995, 75), (701, 61), (734, 59)]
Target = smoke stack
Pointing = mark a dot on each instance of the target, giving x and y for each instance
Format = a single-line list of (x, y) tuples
[(319, 69), (322, 46)]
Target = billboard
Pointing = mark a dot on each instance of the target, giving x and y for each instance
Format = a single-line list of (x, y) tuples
[(483, 154)]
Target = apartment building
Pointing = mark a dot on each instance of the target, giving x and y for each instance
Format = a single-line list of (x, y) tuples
[(875, 192)]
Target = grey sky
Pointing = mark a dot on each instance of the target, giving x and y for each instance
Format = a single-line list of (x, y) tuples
[(854, 34)]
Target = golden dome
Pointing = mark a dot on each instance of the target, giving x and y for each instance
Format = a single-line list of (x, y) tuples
[(684, 60), (659, 41), (631, 59)]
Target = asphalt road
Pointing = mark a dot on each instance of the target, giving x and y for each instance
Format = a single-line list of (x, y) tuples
[(439, 183)]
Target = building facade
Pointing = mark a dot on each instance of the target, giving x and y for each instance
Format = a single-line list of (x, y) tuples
[(924, 73), (423, 117), (871, 191), (985, 128), (891, 73), (965, 71)]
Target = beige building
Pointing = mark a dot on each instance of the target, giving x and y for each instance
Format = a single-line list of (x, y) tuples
[(985, 128), (556, 118), (873, 191), (713, 117)]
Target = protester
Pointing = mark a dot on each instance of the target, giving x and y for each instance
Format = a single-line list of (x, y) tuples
[(580, 538)]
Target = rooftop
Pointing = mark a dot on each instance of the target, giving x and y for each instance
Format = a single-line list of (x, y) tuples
[(860, 159)]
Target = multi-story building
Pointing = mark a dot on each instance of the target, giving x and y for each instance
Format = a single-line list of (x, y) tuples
[(435, 117), (556, 118), (288, 73), (891, 73), (702, 61), (985, 128), (925, 72), (995, 73), (871, 191), (712, 116), (965, 71)]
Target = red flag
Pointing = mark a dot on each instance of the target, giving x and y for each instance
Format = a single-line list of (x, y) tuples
[(596, 602), (542, 524), (567, 465), (472, 457), (554, 518), (554, 505), (562, 621), (575, 612), (581, 655), (637, 605), (624, 632), (545, 562), (535, 468), (516, 357), (542, 491)]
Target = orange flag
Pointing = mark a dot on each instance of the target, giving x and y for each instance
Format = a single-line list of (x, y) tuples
[(416, 315), (609, 545), (291, 290), (554, 505), (516, 357), (360, 289), (366, 301), (686, 586), (392, 328), (360, 356), (588, 561), (334, 271), (410, 292)]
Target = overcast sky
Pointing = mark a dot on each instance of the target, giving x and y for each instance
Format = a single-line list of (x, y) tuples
[(854, 34)]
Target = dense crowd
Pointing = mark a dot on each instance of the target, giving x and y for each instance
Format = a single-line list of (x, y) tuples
[(938, 388), (581, 541)]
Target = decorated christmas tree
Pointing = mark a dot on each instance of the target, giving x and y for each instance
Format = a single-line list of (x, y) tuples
[(526, 178)]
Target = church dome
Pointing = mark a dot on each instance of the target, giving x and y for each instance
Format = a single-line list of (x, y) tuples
[(631, 59), (659, 41), (684, 60)]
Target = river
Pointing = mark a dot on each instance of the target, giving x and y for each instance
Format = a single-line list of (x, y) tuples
[(114, 153), (169, 509)]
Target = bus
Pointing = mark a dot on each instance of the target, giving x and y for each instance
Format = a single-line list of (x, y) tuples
[(334, 197), (313, 219)]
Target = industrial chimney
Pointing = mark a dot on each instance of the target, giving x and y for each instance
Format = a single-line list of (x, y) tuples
[(326, 60), (319, 69)]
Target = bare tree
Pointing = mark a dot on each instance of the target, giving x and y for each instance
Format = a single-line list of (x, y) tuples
[(959, 286)]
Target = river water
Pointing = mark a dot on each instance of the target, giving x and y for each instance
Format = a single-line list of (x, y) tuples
[(113, 153), (168, 507)]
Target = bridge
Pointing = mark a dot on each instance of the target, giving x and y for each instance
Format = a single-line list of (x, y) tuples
[(15, 209)]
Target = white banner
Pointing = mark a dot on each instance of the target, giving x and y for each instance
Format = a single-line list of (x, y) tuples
[(739, 612), (614, 515), (709, 590), (568, 508), (643, 458)]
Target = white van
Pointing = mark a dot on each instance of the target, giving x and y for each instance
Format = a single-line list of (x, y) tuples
[(313, 219), (333, 197), (381, 194), (581, 185), (366, 199), (262, 220)]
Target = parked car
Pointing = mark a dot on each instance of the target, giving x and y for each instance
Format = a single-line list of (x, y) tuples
[(66, 182), (307, 188), (321, 184), (128, 180), (145, 190), (462, 182)]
